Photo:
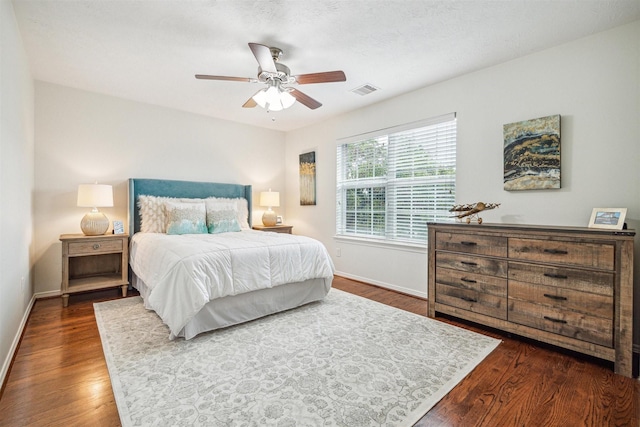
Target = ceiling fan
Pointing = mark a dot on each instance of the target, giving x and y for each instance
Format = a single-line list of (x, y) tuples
[(278, 95)]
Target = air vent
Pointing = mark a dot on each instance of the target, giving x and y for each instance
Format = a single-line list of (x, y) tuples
[(365, 89)]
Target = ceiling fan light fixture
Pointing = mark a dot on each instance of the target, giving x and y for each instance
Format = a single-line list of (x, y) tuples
[(261, 98), (287, 99), (274, 98)]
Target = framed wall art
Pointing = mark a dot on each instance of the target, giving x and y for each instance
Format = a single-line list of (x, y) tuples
[(612, 218), (532, 154), (308, 179)]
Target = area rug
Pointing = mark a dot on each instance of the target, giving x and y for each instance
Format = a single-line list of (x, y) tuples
[(344, 361)]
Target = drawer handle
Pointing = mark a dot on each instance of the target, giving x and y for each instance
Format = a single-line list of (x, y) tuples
[(469, 299), (473, 264), (556, 276), (468, 243), (555, 297), (96, 246), (556, 251), (464, 279), (551, 319)]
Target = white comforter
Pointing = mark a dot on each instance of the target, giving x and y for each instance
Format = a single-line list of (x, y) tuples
[(185, 272)]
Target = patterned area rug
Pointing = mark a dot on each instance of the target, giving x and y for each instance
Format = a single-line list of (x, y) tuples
[(344, 361)]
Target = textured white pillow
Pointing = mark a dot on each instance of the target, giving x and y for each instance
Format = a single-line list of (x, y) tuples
[(152, 214), (185, 217), (222, 217), (153, 217), (242, 208)]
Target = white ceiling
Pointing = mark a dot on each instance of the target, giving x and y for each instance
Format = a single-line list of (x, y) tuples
[(150, 50)]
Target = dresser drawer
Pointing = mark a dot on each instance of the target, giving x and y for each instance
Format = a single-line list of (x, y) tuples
[(478, 282), (593, 255), (563, 299), (597, 282), (473, 300), (567, 323), (472, 244), (96, 246), (472, 264)]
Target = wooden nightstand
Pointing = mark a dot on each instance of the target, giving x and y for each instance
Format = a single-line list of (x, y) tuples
[(275, 228), (94, 262)]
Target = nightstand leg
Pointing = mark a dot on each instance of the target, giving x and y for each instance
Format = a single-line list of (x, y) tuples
[(65, 300), (124, 290)]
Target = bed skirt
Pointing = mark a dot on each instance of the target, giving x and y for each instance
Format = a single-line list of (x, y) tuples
[(231, 310)]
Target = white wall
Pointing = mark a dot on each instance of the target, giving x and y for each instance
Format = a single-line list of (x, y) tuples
[(593, 83), (82, 137), (16, 186)]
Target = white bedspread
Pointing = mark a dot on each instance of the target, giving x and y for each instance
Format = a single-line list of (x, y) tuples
[(184, 272)]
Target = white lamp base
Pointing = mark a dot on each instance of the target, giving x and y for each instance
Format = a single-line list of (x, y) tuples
[(94, 224), (269, 218)]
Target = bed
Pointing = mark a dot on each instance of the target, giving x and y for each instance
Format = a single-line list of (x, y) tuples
[(228, 274)]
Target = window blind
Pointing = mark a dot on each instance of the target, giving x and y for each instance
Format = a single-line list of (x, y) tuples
[(390, 183)]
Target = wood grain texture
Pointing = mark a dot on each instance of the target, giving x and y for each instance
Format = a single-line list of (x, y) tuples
[(59, 376), (566, 286)]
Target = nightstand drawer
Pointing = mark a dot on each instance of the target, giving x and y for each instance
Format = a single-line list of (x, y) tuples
[(96, 246)]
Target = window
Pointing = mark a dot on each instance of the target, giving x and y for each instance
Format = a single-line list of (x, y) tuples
[(390, 183)]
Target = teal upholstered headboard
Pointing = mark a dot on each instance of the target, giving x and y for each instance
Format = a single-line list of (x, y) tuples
[(186, 189)]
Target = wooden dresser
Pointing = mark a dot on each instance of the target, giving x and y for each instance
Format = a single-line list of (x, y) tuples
[(570, 287)]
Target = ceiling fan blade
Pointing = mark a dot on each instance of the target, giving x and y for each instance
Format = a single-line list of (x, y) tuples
[(305, 99), (326, 77), (250, 103), (233, 79), (263, 56)]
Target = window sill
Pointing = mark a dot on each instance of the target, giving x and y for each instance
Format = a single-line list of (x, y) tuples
[(379, 243)]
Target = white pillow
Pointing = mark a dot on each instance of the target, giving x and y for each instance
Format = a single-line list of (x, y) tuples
[(221, 217), (153, 217), (242, 208), (186, 217), (152, 214)]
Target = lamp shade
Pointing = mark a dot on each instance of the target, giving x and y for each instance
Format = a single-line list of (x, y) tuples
[(95, 195), (270, 198)]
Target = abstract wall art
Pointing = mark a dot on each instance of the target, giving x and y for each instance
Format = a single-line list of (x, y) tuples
[(532, 154), (308, 179)]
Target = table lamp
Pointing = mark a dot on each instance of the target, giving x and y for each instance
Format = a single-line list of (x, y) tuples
[(269, 199), (94, 196)]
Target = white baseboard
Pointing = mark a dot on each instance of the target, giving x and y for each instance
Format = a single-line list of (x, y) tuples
[(48, 294), (407, 291), (16, 341)]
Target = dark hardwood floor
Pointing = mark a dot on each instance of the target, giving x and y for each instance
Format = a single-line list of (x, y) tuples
[(59, 376)]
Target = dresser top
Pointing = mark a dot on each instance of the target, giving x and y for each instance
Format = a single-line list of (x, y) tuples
[(536, 228)]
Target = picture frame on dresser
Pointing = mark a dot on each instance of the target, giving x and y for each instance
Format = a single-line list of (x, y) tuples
[(608, 218)]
